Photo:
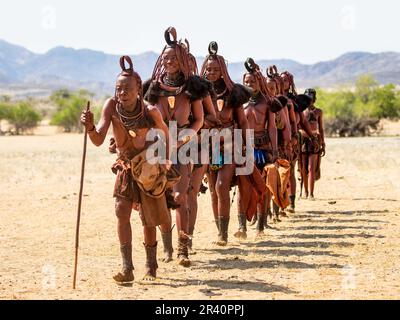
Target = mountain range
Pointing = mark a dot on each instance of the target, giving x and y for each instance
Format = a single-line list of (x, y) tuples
[(21, 69)]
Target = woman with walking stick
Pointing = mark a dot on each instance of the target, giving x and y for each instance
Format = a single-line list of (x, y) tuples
[(131, 120)]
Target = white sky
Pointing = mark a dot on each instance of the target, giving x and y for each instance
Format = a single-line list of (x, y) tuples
[(304, 30)]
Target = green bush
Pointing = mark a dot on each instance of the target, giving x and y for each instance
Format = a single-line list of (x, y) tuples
[(69, 108), (386, 101), (22, 117), (97, 113), (4, 112), (357, 112)]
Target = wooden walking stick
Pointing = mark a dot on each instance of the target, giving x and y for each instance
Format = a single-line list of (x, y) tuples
[(80, 201)]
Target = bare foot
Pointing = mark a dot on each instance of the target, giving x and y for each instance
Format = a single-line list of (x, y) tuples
[(283, 214), (291, 209), (149, 276), (260, 235), (221, 243), (241, 235), (184, 261), (124, 277), (167, 258)]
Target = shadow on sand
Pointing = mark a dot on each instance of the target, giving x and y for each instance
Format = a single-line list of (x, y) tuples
[(241, 264), (333, 228), (272, 252), (217, 285)]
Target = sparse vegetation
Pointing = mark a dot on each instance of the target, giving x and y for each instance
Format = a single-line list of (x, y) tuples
[(347, 112), (69, 107), (357, 112), (22, 116)]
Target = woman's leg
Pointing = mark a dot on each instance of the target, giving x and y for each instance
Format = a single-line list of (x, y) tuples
[(166, 236), (242, 220), (222, 188), (293, 182), (123, 209), (311, 172), (195, 184), (150, 245), (212, 182), (304, 173), (181, 197), (194, 189), (182, 214)]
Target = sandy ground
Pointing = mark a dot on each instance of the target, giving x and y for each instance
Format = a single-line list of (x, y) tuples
[(344, 245)]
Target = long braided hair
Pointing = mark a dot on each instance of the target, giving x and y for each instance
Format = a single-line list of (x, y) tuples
[(273, 75), (181, 52), (213, 56), (292, 86), (255, 71), (192, 60)]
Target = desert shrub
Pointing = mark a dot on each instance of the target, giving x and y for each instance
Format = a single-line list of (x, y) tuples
[(69, 107), (4, 112), (22, 116), (351, 127), (357, 112)]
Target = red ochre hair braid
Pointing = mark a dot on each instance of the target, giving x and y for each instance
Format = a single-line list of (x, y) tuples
[(181, 55), (213, 56)]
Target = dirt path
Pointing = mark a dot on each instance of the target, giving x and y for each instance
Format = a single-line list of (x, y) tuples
[(344, 245)]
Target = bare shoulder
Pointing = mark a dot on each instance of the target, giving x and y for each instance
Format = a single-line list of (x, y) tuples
[(154, 112), (109, 104), (319, 111), (151, 108)]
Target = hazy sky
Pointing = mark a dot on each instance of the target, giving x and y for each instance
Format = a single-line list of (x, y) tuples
[(304, 30)]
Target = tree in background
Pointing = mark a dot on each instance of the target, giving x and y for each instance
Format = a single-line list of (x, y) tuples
[(358, 112), (387, 102), (69, 107), (4, 111), (22, 116)]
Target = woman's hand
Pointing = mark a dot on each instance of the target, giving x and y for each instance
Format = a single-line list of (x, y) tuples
[(87, 120)]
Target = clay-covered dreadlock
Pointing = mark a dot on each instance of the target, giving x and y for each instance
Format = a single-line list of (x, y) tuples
[(192, 60), (300, 101), (181, 54), (213, 50), (193, 86), (137, 118), (273, 74), (292, 87), (254, 70)]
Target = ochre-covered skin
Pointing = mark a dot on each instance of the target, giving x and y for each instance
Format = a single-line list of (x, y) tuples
[(311, 155), (231, 115), (262, 120), (178, 95), (128, 95), (297, 121)]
